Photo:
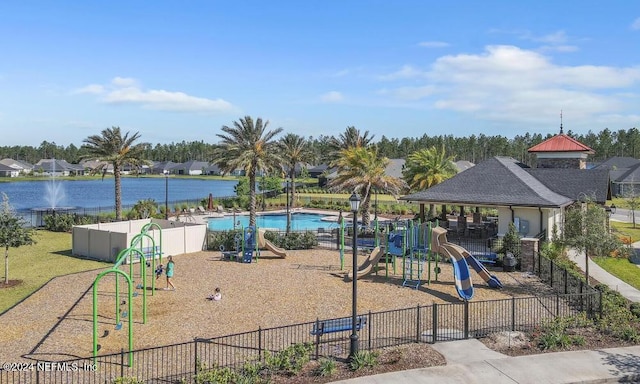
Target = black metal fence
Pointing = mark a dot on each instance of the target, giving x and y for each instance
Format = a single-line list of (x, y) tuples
[(429, 324)]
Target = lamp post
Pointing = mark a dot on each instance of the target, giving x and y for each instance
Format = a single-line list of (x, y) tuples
[(166, 195), (354, 200), (288, 207)]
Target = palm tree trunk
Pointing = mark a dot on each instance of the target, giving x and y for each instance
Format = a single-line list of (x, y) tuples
[(293, 188), (252, 195), (366, 215), (118, 191)]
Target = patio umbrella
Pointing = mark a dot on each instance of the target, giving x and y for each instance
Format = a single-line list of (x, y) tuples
[(210, 203)]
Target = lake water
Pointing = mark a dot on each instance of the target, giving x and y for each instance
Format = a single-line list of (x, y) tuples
[(101, 193)]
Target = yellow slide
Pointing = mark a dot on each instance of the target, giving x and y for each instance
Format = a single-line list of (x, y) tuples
[(264, 243), (367, 267)]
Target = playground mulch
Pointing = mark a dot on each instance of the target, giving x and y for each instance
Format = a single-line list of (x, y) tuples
[(55, 323)]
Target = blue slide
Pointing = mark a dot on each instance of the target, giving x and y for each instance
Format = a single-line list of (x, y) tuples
[(461, 273), (482, 271)]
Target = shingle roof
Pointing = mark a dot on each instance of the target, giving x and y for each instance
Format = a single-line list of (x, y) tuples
[(630, 175), (561, 143), (498, 181), (573, 183), (618, 162)]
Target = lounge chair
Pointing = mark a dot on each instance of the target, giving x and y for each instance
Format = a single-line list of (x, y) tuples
[(201, 210)]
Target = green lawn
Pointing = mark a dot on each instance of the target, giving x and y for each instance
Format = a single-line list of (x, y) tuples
[(621, 268), (38, 263), (626, 230)]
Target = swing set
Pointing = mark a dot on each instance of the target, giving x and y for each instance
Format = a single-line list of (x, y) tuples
[(147, 257)]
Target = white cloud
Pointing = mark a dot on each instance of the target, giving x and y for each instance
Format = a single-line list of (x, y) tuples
[(128, 91), (94, 89), (332, 97), (512, 84), (558, 48), (433, 44), (636, 24), (124, 82), (559, 37), (406, 72)]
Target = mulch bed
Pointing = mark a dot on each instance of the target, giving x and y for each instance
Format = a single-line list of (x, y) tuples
[(55, 323)]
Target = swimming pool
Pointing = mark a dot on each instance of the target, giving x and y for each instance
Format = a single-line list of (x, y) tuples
[(299, 222)]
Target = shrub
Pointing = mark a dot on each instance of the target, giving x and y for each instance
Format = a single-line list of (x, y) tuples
[(363, 359), (327, 367), (289, 361), (63, 222), (127, 380), (294, 240)]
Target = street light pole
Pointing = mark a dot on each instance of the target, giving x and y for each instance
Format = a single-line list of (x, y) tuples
[(288, 208), (166, 196), (354, 200)]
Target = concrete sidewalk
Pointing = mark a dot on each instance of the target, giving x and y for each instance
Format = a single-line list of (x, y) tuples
[(604, 277), (468, 362)]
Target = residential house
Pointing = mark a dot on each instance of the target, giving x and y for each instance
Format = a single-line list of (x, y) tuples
[(191, 167), (7, 171), (57, 167), (624, 173), (22, 166)]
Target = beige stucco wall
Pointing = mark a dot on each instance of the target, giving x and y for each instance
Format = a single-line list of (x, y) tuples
[(532, 215), (105, 240)]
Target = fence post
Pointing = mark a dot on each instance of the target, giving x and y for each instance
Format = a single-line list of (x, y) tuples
[(557, 305), (317, 338), (369, 329), (195, 356), (121, 362), (260, 343), (466, 319), (566, 282), (581, 297), (418, 323), (600, 306), (434, 332), (513, 314), (551, 273)]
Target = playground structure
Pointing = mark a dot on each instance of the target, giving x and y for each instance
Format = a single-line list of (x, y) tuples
[(142, 248), (461, 259), (401, 239), (266, 244), (419, 245), (248, 243)]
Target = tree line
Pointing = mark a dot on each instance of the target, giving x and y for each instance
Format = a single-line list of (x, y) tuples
[(473, 148)]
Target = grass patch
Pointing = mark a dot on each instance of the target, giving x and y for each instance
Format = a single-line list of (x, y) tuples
[(37, 264), (626, 230), (620, 268)]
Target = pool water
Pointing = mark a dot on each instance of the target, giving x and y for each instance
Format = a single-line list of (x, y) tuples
[(299, 222)]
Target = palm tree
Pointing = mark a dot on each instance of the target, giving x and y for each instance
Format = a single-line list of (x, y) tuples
[(349, 139), (294, 150), (249, 146), (112, 148), (426, 168), (360, 169)]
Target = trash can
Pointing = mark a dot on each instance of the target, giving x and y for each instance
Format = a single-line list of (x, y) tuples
[(509, 262)]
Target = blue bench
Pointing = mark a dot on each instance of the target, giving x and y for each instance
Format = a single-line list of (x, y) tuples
[(486, 257), (337, 325)]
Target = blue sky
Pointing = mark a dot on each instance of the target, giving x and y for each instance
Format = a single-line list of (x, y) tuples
[(178, 71)]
